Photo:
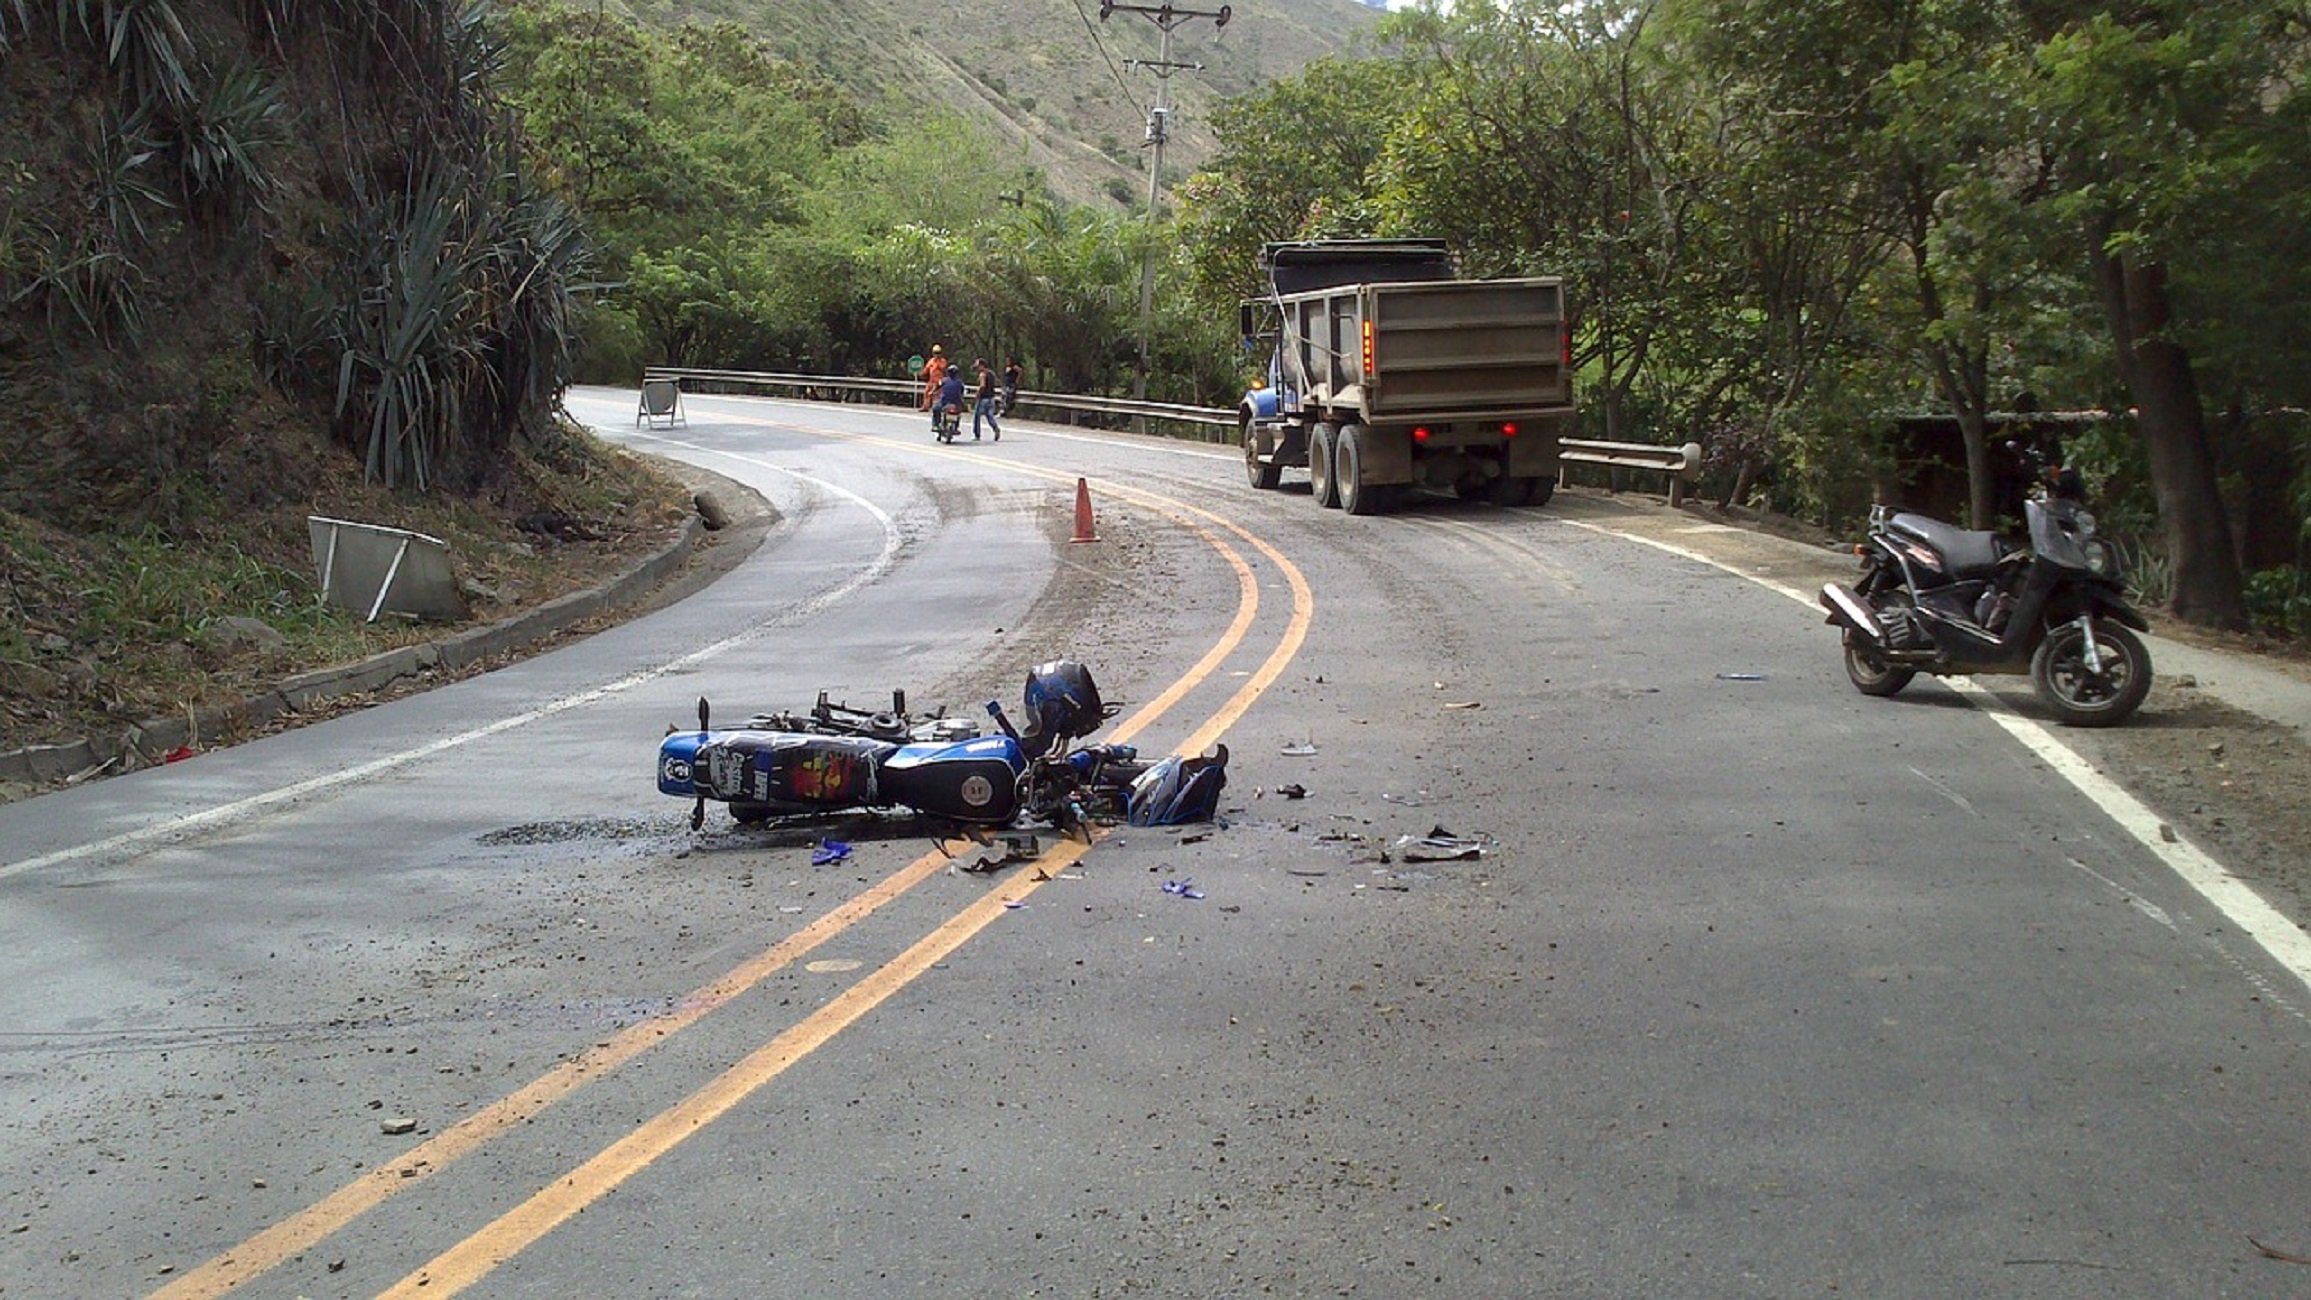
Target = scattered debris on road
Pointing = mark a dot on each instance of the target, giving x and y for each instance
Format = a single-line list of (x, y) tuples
[(1439, 845)]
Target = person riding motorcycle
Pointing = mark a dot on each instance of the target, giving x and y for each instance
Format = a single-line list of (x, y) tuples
[(949, 397)]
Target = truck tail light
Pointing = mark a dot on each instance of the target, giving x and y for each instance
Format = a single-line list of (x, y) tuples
[(1420, 433), (1368, 349), (1509, 429)]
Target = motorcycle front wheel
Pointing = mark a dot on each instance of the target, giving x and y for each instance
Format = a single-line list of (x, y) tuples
[(2080, 696)]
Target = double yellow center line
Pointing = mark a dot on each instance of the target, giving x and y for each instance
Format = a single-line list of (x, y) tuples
[(517, 1229)]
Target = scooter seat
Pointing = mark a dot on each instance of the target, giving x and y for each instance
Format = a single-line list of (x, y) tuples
[(1965, 553)]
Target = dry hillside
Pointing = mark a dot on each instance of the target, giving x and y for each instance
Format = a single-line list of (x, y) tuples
[(1048, 76)]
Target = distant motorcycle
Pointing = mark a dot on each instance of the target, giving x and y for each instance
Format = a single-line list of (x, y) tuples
[(1937, 599), (837, 759)]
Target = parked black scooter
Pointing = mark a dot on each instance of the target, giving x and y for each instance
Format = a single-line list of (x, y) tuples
[(1937, 599)]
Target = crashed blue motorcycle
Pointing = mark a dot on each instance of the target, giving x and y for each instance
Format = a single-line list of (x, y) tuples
[(836, 760)]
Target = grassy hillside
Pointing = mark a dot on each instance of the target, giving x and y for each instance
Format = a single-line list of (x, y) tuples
[(1048, 77)]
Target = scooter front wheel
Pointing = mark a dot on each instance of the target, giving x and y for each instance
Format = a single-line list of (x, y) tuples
[(2083, 696)]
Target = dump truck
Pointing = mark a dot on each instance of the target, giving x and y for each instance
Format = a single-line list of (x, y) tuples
[(1386, 372)]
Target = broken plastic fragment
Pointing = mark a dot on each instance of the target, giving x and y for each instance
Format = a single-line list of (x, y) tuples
[(1741, 677), (1183, 888), (1292, 791), (1299, 748), (1439, 845), (829, 851)]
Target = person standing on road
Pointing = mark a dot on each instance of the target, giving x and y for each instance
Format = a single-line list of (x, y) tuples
[(934, 371), (984, 407), (1011, 376)]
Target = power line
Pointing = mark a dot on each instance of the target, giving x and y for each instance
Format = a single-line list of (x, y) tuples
[(1097, 44), (1165, 16)]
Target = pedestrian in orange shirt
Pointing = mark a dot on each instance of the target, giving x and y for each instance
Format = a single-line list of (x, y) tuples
[(934, 370)]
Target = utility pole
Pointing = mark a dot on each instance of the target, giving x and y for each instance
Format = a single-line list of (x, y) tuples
[(1166, 17)]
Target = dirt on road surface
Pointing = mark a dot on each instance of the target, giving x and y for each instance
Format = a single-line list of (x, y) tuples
[(2227, 780)]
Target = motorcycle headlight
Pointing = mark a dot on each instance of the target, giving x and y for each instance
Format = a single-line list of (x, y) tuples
[(2101, 558)]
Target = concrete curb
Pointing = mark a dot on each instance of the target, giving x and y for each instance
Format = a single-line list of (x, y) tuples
[(143, 744)]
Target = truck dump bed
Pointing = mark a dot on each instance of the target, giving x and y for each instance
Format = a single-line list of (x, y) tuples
[(1433, 349)]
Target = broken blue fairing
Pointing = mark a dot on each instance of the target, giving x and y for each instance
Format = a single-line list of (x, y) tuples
[(1184, 888)]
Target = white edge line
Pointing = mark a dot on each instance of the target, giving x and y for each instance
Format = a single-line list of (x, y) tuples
[(225, 814), (2238, 902)]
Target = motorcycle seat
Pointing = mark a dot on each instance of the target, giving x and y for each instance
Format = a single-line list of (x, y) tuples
[(1965, 553)]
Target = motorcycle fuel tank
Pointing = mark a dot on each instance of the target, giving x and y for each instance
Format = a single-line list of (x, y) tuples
[(970, 780)]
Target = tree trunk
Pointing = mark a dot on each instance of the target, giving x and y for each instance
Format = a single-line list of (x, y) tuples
[(2173, 425)]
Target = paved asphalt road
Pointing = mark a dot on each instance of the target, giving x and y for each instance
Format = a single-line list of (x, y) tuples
[(1761, 988)]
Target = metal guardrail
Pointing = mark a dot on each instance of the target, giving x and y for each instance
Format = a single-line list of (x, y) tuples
[(908, 388), (1681, 464)]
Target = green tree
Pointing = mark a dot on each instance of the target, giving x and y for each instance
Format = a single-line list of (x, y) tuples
[(1294, 161), (2154, 116)]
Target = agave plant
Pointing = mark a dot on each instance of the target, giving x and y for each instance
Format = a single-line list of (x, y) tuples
[(144, 42), (408, 353), (224, 136), (536, 252), (124, 183), (101, 289)]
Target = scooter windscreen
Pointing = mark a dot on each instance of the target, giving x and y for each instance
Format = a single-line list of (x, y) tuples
[(2057, 527)]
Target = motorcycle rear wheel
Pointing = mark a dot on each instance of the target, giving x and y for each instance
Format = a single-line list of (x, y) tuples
[(2081, 697)]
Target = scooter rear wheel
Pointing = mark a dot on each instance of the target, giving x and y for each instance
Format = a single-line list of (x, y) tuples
[(1870, 674), (2080, 696)]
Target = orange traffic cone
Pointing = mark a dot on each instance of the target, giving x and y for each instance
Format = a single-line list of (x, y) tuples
[(1083, 531)]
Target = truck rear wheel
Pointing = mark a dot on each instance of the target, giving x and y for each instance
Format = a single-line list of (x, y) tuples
[(1322, 480), (1356, 496), (1263, 475)]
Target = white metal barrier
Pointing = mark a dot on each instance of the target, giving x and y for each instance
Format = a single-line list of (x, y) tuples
[(1681, 464)]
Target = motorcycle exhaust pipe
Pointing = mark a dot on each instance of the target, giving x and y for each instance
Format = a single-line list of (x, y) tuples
[(1847, 608)]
